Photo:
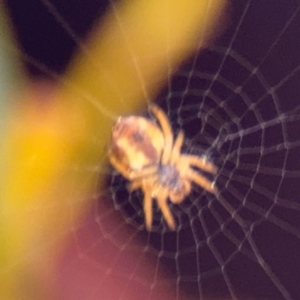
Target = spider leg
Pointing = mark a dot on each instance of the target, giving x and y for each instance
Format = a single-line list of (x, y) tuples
[(148, 208), (162, 204), (201, 181), (176, 148), (135, 185), (200, 163), (118, 166), (167, 132)]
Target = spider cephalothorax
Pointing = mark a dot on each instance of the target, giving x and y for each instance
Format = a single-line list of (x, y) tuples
[(146, 154)]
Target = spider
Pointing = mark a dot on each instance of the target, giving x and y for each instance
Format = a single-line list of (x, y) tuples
[(146, 154)]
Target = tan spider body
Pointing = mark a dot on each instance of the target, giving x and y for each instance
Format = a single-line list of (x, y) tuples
[(146, 154)]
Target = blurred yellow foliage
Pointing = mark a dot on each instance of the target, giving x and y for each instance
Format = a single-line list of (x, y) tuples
[(50, 134)]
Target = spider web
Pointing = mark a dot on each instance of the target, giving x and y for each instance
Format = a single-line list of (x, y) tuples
[(238, 104)]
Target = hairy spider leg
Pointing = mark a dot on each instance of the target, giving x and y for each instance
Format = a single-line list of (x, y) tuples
[(148, 207), (135, 185), (177, 148), (162, 204), (147, 201), (200, 180), (200, 163), (167, 132), (147, 204)]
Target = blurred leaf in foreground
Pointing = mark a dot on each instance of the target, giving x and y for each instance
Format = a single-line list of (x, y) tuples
[(54, 133)]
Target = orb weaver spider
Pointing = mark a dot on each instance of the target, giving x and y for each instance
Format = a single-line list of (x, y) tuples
[(146, 154)]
